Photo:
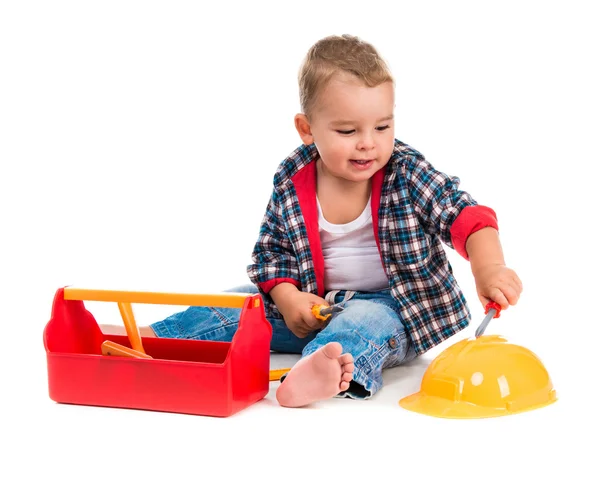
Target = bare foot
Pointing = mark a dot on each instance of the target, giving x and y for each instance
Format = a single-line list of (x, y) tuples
[(321, 375)]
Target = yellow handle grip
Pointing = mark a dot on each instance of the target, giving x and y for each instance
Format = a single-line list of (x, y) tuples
[(228, 299), (277, 373), (124, 298)]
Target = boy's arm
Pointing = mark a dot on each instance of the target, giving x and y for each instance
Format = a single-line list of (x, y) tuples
[(493, 279), (443, 209), (484, 249), (275, 271), (273, 259), (469, 228)]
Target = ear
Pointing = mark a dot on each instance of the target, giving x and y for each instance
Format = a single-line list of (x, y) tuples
[(303, 127)]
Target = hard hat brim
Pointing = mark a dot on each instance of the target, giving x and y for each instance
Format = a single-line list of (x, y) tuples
[(445, 408)]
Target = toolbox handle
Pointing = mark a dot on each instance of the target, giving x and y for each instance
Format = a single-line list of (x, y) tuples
[(225, 299)]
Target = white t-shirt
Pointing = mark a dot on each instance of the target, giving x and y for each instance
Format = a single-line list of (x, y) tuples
[(352, 260)]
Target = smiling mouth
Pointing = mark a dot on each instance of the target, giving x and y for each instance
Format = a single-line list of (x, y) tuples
[(361, 162)]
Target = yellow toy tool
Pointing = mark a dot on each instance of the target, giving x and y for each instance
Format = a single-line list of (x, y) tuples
[(278, 373), (325, 313), (482, 377)]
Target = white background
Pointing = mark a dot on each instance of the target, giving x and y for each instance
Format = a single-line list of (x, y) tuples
[(137, 146)]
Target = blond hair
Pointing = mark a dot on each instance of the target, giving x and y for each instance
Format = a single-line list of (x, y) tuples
[(339, 54)]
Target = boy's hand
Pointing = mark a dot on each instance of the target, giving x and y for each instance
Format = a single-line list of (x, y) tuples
[(295, 307), (497, 283)]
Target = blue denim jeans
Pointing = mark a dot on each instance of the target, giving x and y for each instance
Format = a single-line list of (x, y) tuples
[(368, 327)]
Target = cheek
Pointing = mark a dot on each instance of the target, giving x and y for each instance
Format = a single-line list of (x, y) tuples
[(387, 143), (391, 143), (342, 152), (336, 150)]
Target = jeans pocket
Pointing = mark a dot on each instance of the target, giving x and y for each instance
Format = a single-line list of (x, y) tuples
[(398, 346)]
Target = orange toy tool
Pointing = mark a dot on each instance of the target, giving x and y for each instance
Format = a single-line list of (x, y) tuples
[(325, 313), (133, 333), (277, 374), (111, 348)]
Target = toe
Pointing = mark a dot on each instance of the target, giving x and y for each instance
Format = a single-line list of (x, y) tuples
[(346, 358), (347, 376), (332, 350), (344, 386), (348, 367)]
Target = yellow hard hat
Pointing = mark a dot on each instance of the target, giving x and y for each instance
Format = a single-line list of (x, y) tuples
[(482, 378)]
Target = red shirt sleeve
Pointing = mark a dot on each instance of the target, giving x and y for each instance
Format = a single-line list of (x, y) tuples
[(269, 284), (471, 219)]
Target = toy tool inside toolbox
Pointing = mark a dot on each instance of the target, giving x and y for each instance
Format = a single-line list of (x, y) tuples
[(210, 378)]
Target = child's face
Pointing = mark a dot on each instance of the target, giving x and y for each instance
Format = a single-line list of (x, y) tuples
[(352, 127)]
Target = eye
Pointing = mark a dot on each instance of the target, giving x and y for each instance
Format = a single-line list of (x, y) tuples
[(382, 128), (346, 132)]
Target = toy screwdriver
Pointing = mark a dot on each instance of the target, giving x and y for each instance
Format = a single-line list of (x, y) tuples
[(325, 313), (492, 310), (320, 312)]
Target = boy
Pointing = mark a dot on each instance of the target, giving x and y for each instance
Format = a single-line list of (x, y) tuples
[(357, 218)]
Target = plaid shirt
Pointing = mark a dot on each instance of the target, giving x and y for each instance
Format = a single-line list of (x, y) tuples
[(415, 209)]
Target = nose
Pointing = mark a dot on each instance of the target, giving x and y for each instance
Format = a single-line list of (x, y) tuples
[(366, 142)]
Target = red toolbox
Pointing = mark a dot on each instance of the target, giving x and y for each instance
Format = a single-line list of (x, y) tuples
[(208, 378)]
